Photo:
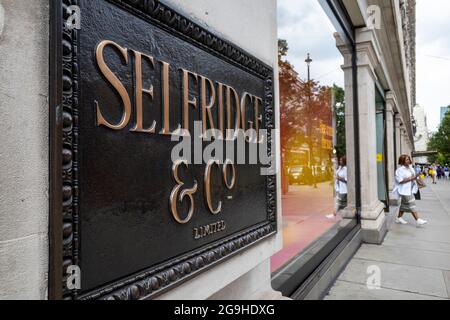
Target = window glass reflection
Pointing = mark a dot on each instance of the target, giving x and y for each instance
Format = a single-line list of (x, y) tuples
[(313, 133)]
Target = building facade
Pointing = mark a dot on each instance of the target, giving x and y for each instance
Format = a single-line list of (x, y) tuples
[(50, 163), (422, 136)]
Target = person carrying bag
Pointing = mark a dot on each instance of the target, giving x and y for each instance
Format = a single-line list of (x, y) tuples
[(420, 184), (406, 187)]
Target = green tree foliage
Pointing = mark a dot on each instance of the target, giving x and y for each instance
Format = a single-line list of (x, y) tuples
[(339, 96), (304, 105), (282, 48), (306, 114), (440, 142)]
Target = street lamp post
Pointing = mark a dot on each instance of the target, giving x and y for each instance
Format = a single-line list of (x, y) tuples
[(308, 62), (311, 156)]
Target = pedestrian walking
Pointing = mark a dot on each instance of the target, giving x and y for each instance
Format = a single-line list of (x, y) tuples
[(447, 172), (433, 173), (406, 187), (439, 172), (340, 187)]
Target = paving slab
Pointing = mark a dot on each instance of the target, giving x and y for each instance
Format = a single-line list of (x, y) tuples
[(406, 256), (411, 242), (343, 290), (426, 233), (398, 277), (447, 281), (414, 263)]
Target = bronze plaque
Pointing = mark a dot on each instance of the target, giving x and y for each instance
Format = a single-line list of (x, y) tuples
[(129, 78)]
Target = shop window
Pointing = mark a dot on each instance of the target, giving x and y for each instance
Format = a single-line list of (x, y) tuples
[(315, 179)]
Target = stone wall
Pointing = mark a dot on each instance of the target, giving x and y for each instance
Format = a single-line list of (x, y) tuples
[(24, 149)]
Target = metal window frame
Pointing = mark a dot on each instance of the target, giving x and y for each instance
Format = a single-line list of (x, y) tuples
[(380, 92)]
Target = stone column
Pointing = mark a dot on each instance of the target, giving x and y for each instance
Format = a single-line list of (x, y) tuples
[(403, 141), (403, 146), (391, 131), (350, 212), (410, 145), (373, 220), (398, 122)]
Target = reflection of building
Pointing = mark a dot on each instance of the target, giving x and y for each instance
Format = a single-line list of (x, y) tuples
[(444, 110), (421, 138), (327, 136)]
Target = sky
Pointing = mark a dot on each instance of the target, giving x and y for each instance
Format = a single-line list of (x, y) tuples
[(433, 58), (305, 26)]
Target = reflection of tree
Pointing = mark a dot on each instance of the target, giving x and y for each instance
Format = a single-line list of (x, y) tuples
[(304, 105), (339, 96), (306, 116), (292, 102)]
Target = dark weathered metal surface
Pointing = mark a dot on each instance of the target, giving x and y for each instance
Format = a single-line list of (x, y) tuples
[(118, 225)]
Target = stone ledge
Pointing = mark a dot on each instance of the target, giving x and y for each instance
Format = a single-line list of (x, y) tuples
[(372, 212), (375, 236), (24, 268)]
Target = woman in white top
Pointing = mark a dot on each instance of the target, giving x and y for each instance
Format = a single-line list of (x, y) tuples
[(340, 187), (406, 187)]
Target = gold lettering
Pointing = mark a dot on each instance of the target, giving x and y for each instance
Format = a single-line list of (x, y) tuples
[(206, 108), (238, 111), (187, 192), (204, 231), (229, 184), (220, 106), (208, 187), (139, 90), (251, 139), (196, 235), (207, 230), (166, 99), (246, 96), (115, 82), (186, 101)]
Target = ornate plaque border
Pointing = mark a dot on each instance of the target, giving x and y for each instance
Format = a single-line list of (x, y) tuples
[(64, 214)]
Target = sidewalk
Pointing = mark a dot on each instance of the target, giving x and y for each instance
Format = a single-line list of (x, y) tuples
[(414, 262)]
